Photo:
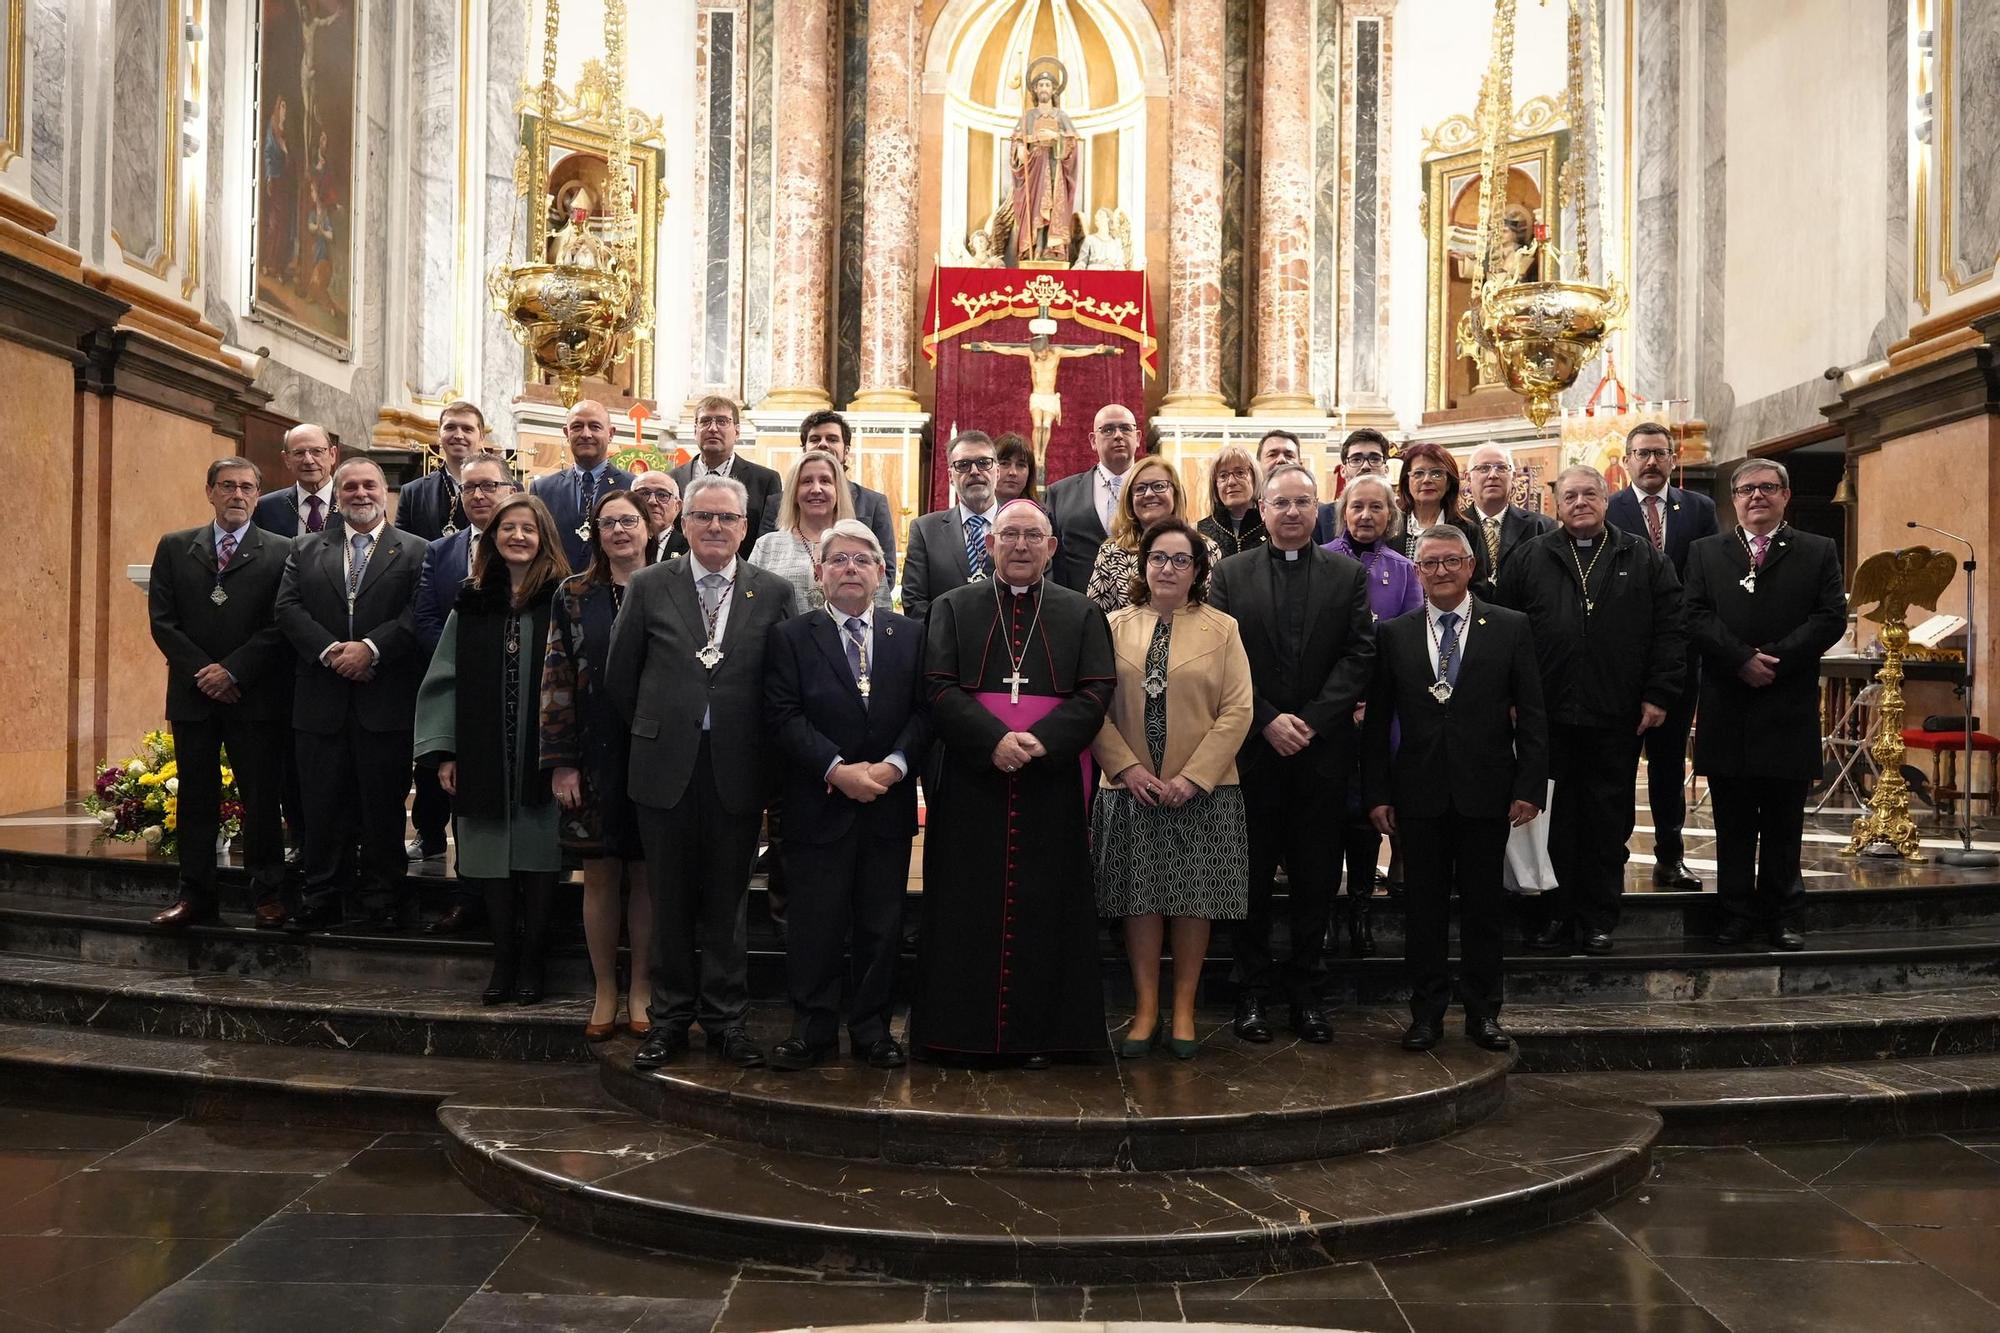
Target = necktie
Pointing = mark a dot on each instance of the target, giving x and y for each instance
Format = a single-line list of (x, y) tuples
[(586, 487), (357, 563), (1655, 528), (1111, 481), (315, 521), (856, 630), (975, 544), (1758, 545), (225, 551), (1448, 647), (1490, 529), (711, 595)]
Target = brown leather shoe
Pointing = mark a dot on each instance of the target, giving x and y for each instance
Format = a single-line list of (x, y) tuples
[(271, 916), (455, 921), (184, 914)]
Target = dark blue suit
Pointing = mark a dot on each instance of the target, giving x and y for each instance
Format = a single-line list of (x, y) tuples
[(437, 590), (1689, 516), (278, 511), (847, 863), (560, 491)]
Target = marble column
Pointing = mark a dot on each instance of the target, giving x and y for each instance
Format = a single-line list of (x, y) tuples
[(1362, 182), (802, 221), (889, 227), (1194, 237), (1284, 214)]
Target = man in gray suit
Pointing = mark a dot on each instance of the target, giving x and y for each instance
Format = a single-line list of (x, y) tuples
[(948, 547), (1082, 505), (686, 668), (829, 430)]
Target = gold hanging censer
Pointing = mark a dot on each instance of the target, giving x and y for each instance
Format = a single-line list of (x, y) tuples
[(573, 305), (1891, 580), (1542, 333)]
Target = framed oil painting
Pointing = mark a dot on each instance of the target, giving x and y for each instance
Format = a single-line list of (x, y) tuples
[(302, 255)]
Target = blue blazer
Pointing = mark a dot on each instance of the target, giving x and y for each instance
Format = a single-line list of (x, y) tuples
[(557, 490), (1690, 516), (278, 511), (437, 587), (816, 713)]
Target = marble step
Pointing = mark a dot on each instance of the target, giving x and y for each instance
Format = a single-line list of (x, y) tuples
[(602, 1169), (1236, 1104), (1732, 1034)]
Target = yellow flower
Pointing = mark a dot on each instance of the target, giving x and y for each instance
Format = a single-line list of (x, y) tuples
[(169, 769), (228, 777), (149, 779), (173, 821)]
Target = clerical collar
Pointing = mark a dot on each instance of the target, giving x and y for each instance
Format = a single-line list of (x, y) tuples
[(1288, 556), (1020, 591), (1584, 541)]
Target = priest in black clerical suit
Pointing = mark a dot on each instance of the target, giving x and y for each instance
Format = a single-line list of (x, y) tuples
[(1309, 634), (1020, 671)]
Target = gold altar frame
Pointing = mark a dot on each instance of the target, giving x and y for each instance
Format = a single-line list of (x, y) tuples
[(1443, 178)]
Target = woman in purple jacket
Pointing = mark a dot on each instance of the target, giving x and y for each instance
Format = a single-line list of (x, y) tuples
[(1367, 511)]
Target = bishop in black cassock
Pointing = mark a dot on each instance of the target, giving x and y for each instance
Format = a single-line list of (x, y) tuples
[(1019, 671)]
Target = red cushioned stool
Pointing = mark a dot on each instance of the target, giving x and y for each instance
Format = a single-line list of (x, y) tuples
[(1945, 748)]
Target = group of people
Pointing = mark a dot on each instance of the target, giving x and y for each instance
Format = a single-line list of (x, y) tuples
[(1115, 712)]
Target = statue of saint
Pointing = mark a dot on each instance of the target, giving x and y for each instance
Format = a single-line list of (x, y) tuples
[(1103, 247), (1044, 360), (1042, 152)]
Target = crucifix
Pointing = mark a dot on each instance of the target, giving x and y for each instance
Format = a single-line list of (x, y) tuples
[(1044, 361), (1014, 684)]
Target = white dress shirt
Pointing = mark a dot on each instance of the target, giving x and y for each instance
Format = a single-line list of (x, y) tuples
[(347, 570), (1101, 493), (1436, 632)]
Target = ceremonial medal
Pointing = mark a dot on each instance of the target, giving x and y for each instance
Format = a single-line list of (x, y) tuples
[(861, 683), (976, 576), (1155, 686), (710, 656), (1441, 691), (218, 596), (450, 527), (583, 530), (1748, 582)]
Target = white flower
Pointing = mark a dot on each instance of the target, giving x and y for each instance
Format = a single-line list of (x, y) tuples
[(152, 834), (107, 817), (136, 767), (173, 786)]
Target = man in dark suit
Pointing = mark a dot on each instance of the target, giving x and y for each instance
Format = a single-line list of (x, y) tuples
[(213, 598), (1082, 505), (1764, 604), (571, 494), (948, 548), (686, 668), (659, 497), (431, 506), (828, 430), (1310, 638), (1606, 612), (347, 605), (846, 703), (307, 504), (715, 425), (1671, 520), (1501, 524), (1458, 684)]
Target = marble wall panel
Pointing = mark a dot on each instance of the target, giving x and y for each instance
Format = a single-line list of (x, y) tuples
[(1327, 158), (139, 67), (1975, 190), (217, 239), (35, 603), (500, 361), (721, 192), (1235, 186), (48, 111), (433, 197), (1714, 399), (1361, 333), (1896, 291), (1656, 224), (10, 130), (852, 121), (759, 202)]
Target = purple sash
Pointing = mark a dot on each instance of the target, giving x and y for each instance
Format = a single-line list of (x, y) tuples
[(1025, 714)]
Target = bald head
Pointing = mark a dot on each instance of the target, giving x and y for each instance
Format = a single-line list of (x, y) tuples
[(1115, 435), (1492, 479), (588, 431)]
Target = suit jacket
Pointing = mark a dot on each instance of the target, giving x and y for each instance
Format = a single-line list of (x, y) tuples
[(1336, 661), (558, 491), (1797, 612), (870, 507), (1485, 747), (760, 482), (1517, 525), (817, 714), (278, 513), (935, 562), (312, 611), (423, 506), (1072, 504), (1209, 699), (242, 634), (662, 691), (444, 569), (1689, 516)]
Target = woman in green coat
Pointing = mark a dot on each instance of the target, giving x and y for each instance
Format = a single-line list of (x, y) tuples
[(479, 723)]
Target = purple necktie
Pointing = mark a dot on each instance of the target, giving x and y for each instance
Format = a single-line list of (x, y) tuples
[(315, 521)]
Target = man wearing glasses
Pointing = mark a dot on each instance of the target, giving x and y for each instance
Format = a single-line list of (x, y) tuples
[(948, 547), (1083, 505), (1364, 453), (659, 498), (307, 504), (1672, 520), (715, 426), (1502, 525)]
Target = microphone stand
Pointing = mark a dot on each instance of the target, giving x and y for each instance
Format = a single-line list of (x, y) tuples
[(1965, 857)]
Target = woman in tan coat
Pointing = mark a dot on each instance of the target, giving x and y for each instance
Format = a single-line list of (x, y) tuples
[(1168, 834)]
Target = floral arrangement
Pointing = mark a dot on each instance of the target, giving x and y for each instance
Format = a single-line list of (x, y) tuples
[(139, 800)]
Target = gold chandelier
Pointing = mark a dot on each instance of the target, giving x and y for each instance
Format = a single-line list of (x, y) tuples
[(1543, 333), (575, 310)]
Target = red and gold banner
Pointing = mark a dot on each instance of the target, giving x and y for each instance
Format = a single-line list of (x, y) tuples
[(1109, 300)]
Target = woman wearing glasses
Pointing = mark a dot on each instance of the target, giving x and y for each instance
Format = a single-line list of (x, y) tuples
[(1151, 495), (1234, 522), (816, 497), (1168, 831), (585, 749), (1429, 494)]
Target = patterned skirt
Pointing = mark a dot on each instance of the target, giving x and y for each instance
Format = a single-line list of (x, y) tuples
[(1190, 861)]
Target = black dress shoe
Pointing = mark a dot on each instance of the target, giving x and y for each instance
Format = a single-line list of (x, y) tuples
[(737, 1049), (1734, 931), (312, 920), (1486, 1032), (1675, 875), (1035, 1062), (663, 1047), (1597, 941), (455, 921), (884, 1053), (798, 1053), (1554, 937), (1310, 1024), (1251, 1023), (1790, 941), (1420, 1036)]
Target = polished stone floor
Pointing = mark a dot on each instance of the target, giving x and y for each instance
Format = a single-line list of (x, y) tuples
[(115, 1221)]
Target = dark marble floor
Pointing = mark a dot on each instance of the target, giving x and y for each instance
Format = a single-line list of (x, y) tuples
[(119, 1221)]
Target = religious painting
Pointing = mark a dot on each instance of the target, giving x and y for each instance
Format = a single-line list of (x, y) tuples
[(302, 262)]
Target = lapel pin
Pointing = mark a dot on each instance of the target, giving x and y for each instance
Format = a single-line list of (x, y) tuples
[(888, 630), (749, 592), (1482, 620)]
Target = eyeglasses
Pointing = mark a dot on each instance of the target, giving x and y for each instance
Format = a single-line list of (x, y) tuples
[(709, 517), (237, 487), (1118, 428), (851, 560), (1153, 488), (1429, 474), (1442, 564), (1017, 536), (1490, 469), (1365, 460), (310, 451), (1233, 474), (714, 423), (486, 487), (962, 466), (1283, 506), (623, 523), (657, 495), (1650, 455), (1178, 559), (1750, 488)]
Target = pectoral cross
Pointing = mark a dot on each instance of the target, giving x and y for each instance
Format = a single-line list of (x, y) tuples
[(1014, 684)]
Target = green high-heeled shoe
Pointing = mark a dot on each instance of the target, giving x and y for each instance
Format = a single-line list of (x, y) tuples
[(1184, 1049), (1131, 1048)]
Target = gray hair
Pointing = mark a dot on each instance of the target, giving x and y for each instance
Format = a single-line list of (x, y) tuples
[(848, 529), (490, 458), (1285, 470), (1370, 479), (711, 482), (222, 465), (1449, 533), (1762, 465), (1506, 454), (1581, 470), (360, 460)]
